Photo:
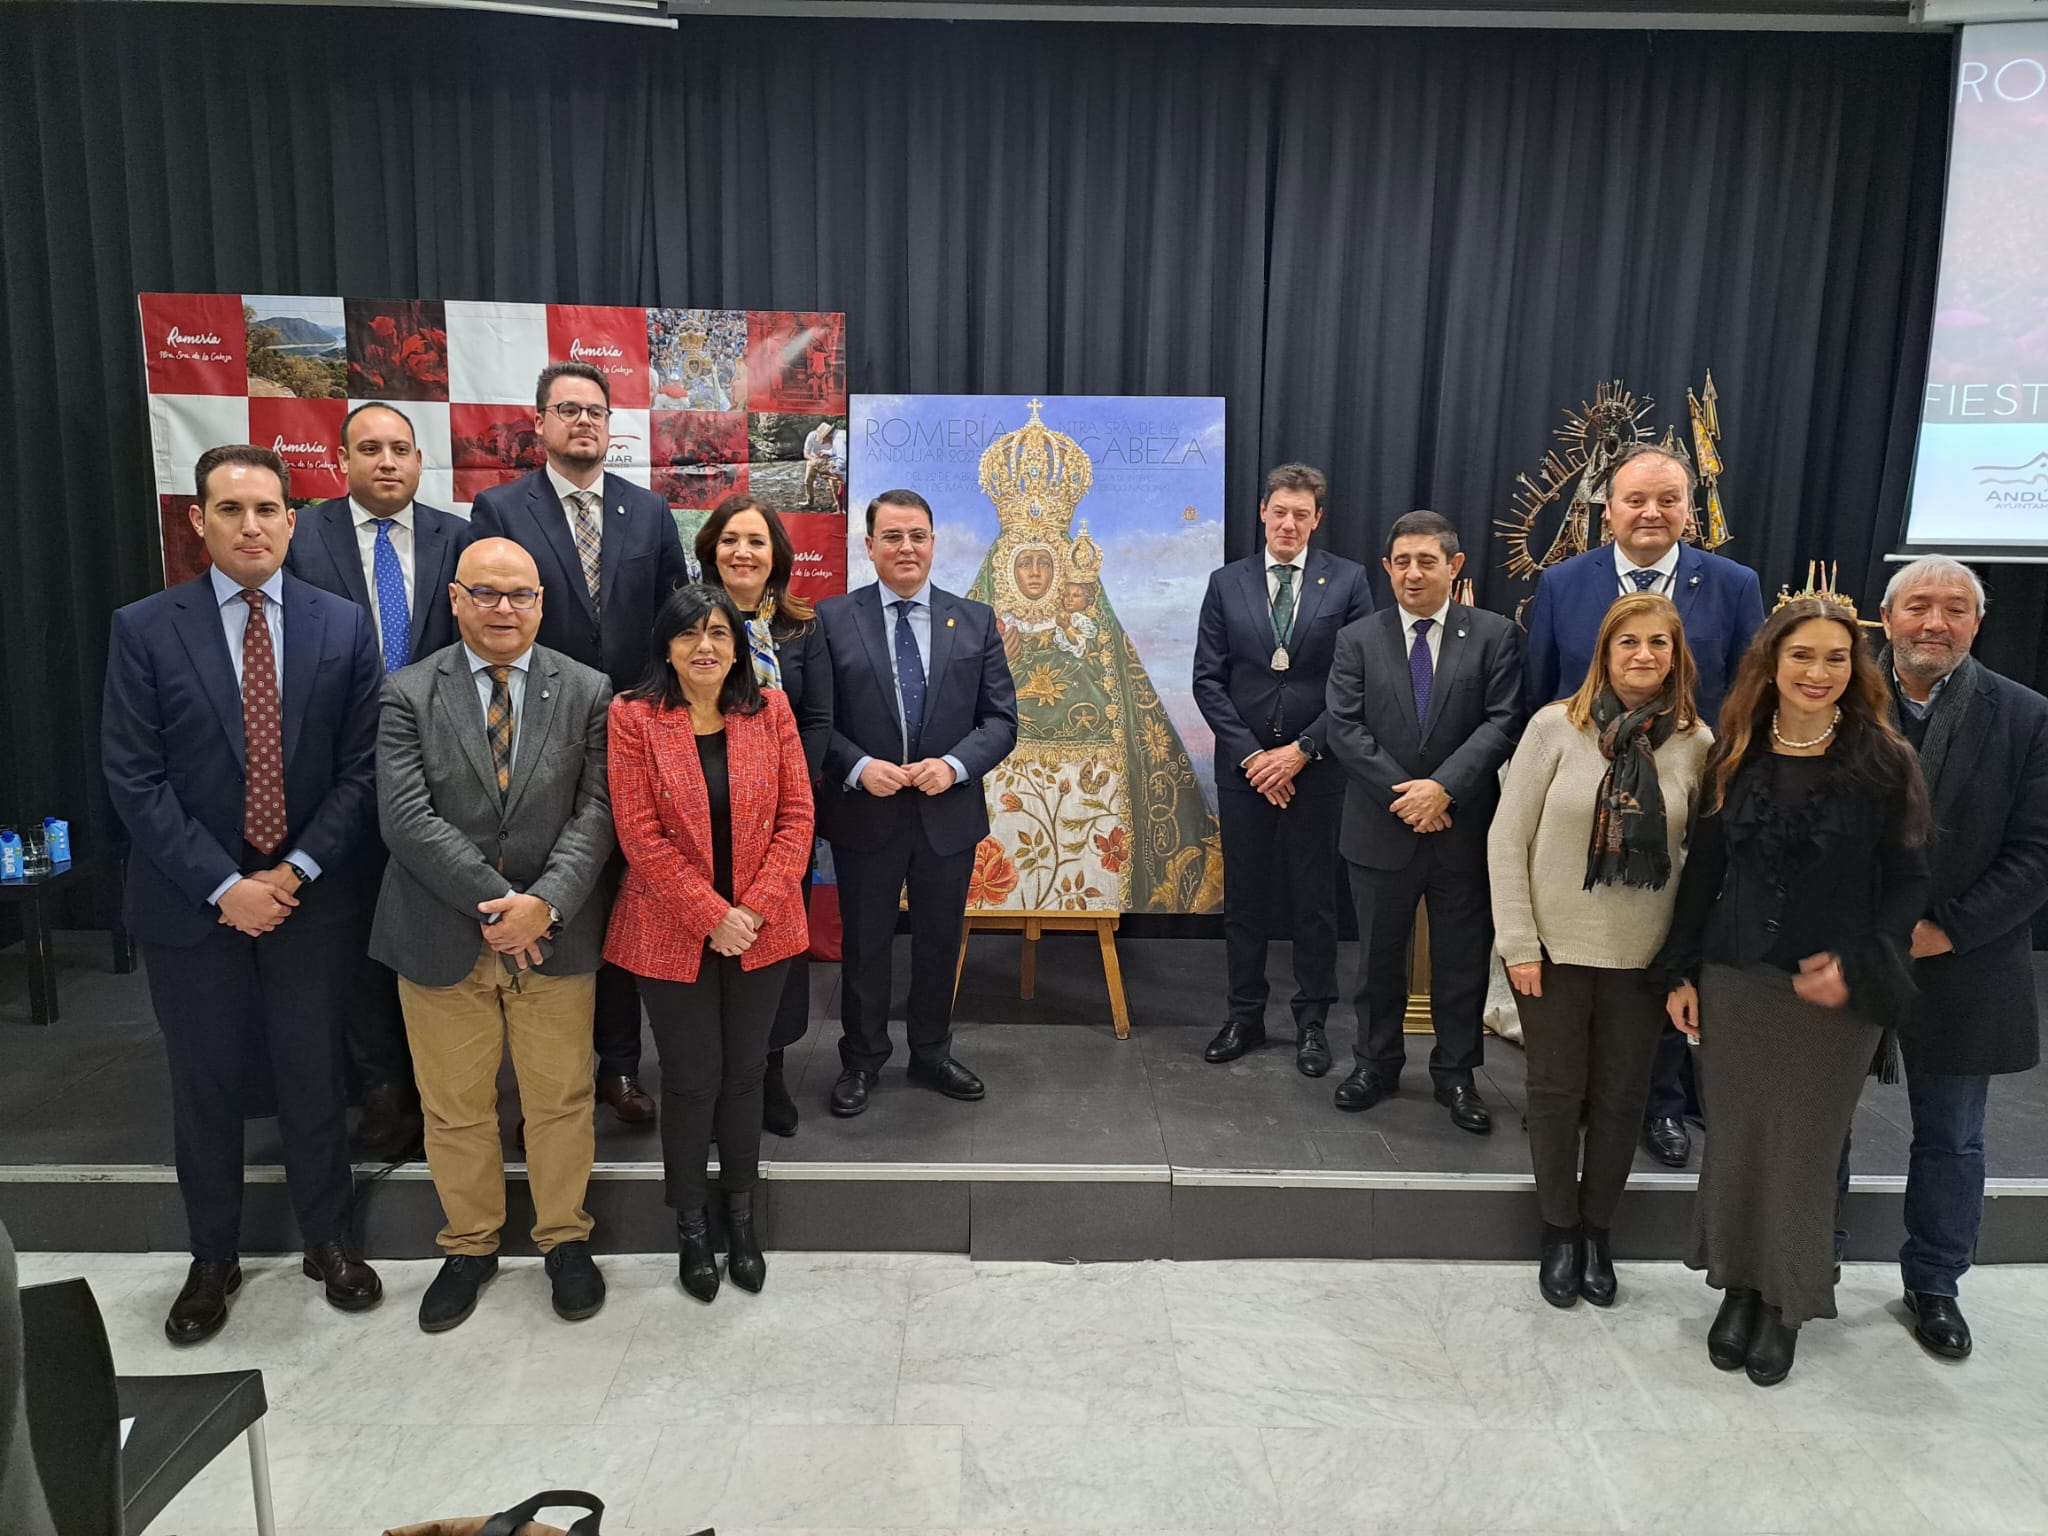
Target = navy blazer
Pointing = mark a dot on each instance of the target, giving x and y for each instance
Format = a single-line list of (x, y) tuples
[(324, 552), (1249, 706), (640, 564), (1718, 600), (172, 749), (970, 712)]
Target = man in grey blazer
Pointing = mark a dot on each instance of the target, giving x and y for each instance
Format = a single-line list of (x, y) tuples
[(492, 795)]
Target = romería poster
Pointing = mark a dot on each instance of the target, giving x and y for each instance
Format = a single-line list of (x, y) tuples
[(705, 402), (1090, 525)]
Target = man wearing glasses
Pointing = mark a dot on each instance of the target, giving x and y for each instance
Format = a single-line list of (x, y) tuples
[(609, 552), (491, 790)]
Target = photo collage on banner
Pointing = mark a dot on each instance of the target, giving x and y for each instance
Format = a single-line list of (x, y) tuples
[(1090, 525), (705, 402)]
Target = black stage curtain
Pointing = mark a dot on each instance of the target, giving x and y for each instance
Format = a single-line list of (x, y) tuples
[(1397, 253)]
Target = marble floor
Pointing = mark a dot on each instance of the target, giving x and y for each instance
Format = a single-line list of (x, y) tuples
[(920, 1393)]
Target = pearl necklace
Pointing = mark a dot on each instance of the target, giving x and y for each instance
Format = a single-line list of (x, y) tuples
[(1802, 746)]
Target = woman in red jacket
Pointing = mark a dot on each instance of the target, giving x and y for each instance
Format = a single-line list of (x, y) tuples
[(712, 800)]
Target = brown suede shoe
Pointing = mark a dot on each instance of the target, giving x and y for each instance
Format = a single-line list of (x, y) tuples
[(351, 1284), (627, 1098)]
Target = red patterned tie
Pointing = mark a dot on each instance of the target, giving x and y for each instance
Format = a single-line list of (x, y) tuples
[(263, 823)]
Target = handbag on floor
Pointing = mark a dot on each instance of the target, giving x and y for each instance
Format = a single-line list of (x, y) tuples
[(518, 1520)]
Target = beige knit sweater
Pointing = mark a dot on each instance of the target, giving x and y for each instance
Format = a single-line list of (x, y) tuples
[(1536, 850)]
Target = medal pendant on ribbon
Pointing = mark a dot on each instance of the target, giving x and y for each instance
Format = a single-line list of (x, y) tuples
[(1279, 658)]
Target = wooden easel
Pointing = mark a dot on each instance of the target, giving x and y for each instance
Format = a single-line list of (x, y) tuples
[(1034, 924)]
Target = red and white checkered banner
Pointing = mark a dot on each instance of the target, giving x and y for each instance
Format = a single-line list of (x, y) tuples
[(705, 402)]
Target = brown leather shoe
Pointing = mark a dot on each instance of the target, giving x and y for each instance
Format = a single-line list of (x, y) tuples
[(351, 1284), (392, 1129), (627, 1098), (202, 1306)]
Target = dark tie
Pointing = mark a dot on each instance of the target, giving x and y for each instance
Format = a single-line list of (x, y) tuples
[(498, 725), (1283, 603), (909, 675), (263, 823), (394, 622), (1421, 670), (1646, 579)]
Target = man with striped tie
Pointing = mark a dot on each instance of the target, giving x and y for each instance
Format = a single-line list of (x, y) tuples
[(393, 557)]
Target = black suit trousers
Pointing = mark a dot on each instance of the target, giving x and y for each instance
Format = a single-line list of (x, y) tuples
[(215, 1001), (870, 881), (375, 1025), (615, 1021), (1267, 849), (1460, 956)]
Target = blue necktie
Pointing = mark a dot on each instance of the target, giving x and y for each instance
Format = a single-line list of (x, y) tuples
[(1645, 579), (1421, 670), (909, 675), (393, 617)]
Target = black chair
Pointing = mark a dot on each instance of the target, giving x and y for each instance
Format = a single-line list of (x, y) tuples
[(94, 1484)]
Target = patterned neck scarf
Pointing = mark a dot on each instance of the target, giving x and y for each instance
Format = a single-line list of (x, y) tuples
[(1631, 843), (761, 644)]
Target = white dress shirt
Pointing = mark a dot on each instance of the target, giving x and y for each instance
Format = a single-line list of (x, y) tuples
[(234, 623), (479, 671), (1434, 634), (921, 632), (1300, 564), (1666, 569), (565, 488), (366, 550)]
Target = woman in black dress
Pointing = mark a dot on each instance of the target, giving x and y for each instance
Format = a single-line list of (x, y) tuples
[(744, 548), (1788, 963)]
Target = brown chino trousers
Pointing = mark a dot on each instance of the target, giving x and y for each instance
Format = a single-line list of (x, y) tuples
[(458, 1037)]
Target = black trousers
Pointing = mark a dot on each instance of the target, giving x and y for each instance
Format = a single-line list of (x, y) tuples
[(278, 996), (712, 1034), (1267, 850), (1589, 1039), (615, 1022), (373, 1024), (793, 1015), (1460, 958), (1674, 1090), (870, 881)]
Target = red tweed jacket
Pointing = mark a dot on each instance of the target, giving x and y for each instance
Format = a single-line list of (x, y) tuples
[(666, 906)]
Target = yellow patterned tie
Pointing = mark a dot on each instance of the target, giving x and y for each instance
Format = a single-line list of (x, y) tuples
[(498, 725), (588, 537)]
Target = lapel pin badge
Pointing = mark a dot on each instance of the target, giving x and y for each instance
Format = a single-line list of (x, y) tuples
[(1322, 581), (1461, 635), (949, 623), (543, 693), (1694, 582)]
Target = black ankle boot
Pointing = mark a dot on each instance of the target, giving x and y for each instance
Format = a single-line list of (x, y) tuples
[(698, 1266), (1598, 1285), (745, 1264), (778, 1109), (1733, 1328), (1564, 1264), (1770, 1351)]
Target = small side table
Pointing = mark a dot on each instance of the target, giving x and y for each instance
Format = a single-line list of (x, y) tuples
[(31, 895)]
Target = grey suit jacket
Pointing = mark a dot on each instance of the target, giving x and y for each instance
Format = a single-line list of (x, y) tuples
[(456, 842)]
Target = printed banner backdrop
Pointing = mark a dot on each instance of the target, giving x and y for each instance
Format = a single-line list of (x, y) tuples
[(704, 401), (1091, 526)]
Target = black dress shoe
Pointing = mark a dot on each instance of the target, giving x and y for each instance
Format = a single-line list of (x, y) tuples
[(577, 1288), (452, 1295), (1668, 1140), (1561, 1276), (1599, 1284), (1233, 1040), (350, 1283), (745, 1264), (1938, 1325), (778, 1109), (1733, 1328), (1312, 1051), (392, 1129), (629, 1101), (1468, 1110), (1363, 1089), (1771, 1349), (202, 1306), (948, 1077), (696, 1264), (850, 1094)]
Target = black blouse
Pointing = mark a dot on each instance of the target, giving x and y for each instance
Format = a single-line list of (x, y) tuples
[(718, 786), (1802, 859), (806, 682)]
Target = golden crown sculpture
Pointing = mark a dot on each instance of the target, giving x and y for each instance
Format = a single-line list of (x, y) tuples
[(1036, 477), (1084, 560)]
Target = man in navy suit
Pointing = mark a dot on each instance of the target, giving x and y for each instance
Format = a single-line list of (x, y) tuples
[(394, 558), (1649, 500), (923, 709), (608, 553), (1263, 648), (239, 746)]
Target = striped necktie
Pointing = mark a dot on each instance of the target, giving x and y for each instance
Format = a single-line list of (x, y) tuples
[(498, 724), (588, 537)]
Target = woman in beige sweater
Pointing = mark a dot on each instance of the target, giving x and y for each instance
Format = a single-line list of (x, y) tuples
[(1584, 855)]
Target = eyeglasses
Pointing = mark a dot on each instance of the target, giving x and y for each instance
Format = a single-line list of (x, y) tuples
[(916, 538), (522, 601), (571, 411)]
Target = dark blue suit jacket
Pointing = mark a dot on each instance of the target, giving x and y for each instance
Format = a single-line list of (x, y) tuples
[(640, 564), (324, 552), (1718, 600), (970, 712), (172, 749), (1249, 706)]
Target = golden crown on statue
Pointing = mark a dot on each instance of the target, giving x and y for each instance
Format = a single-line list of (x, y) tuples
[(1036, 476), (1084, 560)]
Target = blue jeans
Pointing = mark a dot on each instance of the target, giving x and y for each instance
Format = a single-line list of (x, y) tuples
[(1944, 1182)]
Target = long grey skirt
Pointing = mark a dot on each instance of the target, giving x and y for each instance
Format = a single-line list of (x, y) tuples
[(1780, 1078)]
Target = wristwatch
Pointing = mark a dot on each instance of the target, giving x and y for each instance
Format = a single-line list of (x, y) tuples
[(299, 872), (554, 917), (1306, 746)]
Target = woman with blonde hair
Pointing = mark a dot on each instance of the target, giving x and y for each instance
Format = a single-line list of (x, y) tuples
[(1583, 857)]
